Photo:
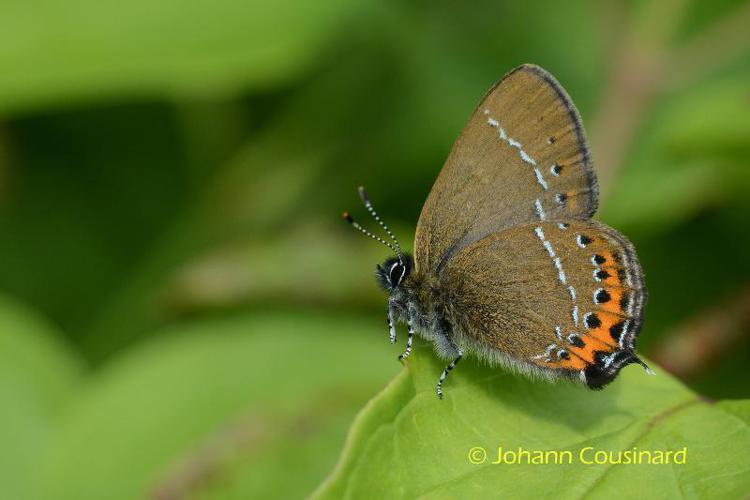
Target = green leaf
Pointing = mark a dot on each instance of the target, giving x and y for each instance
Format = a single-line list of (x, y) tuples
[(709, 120), (221, 407), (692, 156), (83, 49), (37, 375), (279, 268), (407, 444)]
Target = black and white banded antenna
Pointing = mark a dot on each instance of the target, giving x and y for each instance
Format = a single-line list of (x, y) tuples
[(348, 218), (369, 207)]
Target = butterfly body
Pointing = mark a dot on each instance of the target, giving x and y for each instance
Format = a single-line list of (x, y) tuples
[(420, 300), (507, 264)]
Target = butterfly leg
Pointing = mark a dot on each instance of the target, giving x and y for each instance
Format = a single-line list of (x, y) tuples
[(391, 326), (447, 370), (409, 340)]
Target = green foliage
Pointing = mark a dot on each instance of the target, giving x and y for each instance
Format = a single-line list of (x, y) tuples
[(74, 50), (232, 405), (217, 409), (37, 376), (692, 157), (408, 444)]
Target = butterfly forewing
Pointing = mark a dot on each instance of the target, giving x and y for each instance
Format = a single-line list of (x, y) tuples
[(564, 297), (522, 157)]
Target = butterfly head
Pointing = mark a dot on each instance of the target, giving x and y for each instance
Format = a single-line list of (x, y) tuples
[(393, 272)]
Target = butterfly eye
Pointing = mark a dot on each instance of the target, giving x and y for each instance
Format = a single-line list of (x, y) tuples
[(397, 274)]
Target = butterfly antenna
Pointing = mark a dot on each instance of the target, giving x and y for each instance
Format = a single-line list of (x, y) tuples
[(368, 206), (348, 218), (644, 365)]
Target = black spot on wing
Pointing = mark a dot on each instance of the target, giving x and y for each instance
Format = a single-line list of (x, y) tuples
[(592, 320)]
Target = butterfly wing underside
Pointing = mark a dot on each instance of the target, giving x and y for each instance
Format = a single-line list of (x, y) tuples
[(521, 157), (563, 298)]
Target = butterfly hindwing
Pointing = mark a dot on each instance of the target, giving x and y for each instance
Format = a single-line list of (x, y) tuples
[(521, 157), (559, 297)]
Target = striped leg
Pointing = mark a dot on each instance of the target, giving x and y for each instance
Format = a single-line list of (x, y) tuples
[(445, 373), (391, 327), (409, 339)]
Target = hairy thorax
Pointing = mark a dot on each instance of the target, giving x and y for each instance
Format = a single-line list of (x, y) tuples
[(419, 299)]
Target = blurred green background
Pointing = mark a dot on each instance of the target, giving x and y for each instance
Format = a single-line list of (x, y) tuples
[(183, 313)]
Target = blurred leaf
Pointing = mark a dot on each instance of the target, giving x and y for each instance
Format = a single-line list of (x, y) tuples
[(319, 263), (700, 14), (712, 119), (52, 53), (89, 194), (654, 200), (692, 157), (406, 443), (37, 375), (205, 407), (244, 197)]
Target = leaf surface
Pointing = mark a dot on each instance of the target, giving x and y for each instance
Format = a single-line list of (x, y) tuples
[(37, 375), (220, 408), (54, 52), (408, 444)]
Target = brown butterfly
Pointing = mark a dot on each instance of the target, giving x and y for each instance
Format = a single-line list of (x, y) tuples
[(508, 265)]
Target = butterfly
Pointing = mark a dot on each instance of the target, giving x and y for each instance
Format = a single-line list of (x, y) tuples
[(508, 265)]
